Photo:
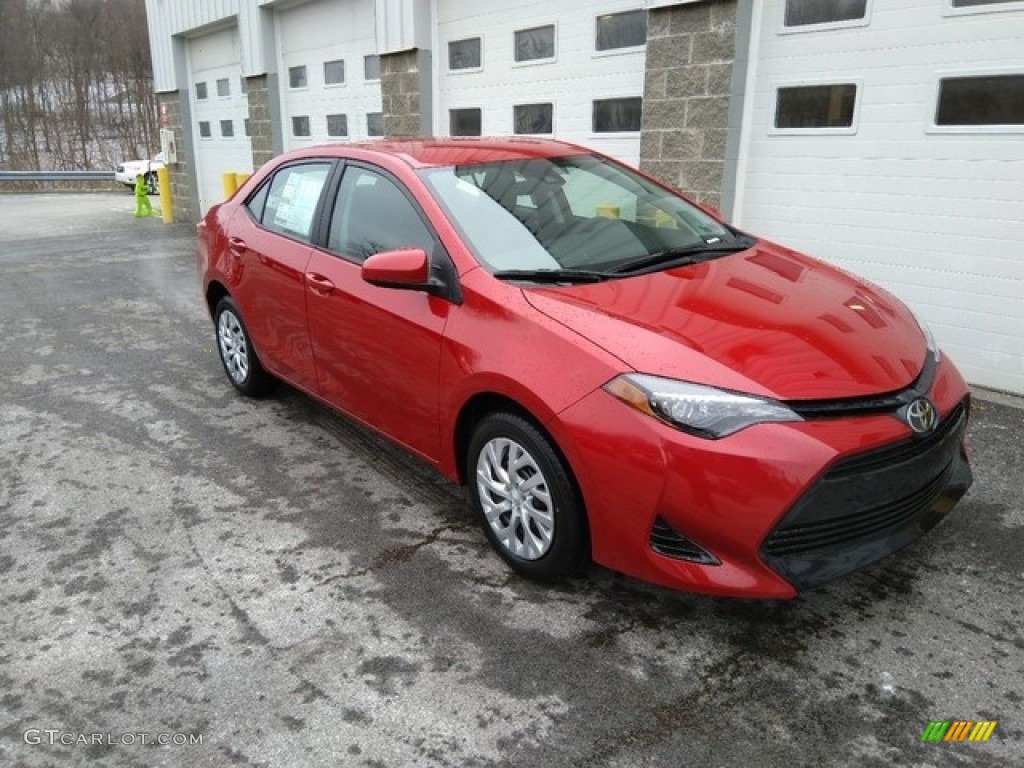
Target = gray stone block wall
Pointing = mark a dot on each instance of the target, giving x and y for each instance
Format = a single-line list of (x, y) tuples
[(264, 120), (405, 93), (183, 187), (690, 53)]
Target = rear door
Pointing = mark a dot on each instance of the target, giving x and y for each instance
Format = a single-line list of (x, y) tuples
[(377, 349), (272, 238)]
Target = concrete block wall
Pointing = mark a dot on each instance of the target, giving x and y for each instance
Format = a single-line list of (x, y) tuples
[(184, 193), (690, 53), (405, 87)]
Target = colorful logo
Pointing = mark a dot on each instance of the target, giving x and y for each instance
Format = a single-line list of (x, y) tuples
[(958, 730)]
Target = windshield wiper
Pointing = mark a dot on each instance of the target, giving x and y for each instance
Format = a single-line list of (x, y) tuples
[(680, 257), (552, 275)]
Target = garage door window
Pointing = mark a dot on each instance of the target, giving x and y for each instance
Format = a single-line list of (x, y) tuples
[(300, 126), (245, 125), (223, 87), (371, 67), (292, 199), (204, 129), (535, 44), (374, 123), (801, 13), (815, 106), (533, 118), (617, 115), (978, 101), (464, 54), (465, 122), (337, 125), (297, 77), (200, 91), (621, 30), (227, 128), (334, 72)]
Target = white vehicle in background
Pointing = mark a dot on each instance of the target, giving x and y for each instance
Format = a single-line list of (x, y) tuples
[(126, 172)]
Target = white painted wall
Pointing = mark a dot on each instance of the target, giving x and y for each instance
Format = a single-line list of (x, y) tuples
[(324, 31), (934, 215), (210, 58), (578, 74)]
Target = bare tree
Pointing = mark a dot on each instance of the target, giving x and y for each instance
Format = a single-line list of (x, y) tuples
[(75, 83)]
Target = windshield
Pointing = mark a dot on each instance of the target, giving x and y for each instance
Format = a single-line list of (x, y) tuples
[(579, 212)]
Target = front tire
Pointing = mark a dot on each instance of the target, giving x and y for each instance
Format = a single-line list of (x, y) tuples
[(241, 364), (525, 499)]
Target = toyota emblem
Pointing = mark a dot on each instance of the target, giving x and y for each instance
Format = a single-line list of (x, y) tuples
[(922, 416)]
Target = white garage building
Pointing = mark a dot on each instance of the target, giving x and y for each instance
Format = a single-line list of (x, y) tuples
[(884, 136)]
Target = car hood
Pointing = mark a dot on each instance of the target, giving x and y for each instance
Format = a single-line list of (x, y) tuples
[(767, 321)]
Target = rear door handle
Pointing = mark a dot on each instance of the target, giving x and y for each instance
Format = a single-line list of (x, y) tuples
[(319, 283), (237, 243)]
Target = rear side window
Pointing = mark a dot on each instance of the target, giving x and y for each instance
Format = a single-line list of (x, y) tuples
[(372, 214), (288, 204)]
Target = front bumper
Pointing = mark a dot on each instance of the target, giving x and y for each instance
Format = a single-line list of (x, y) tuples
[(870, 505), (770, 510)]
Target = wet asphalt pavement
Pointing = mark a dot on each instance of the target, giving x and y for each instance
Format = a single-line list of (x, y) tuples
[(266, 577)]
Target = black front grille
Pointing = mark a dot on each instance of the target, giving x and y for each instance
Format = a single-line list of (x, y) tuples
[(833, 532), (667, 541), (869, 505)]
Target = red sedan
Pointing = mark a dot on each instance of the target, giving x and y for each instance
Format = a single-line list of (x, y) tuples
[(616, 374)]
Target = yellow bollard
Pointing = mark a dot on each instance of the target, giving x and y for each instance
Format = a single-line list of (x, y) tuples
[(164, 183), (608, 211), (230, 183), (241, 178)]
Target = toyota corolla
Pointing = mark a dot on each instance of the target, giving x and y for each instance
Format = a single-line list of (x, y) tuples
[(615, 374)]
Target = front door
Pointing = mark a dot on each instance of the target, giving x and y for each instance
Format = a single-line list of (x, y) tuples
[(377, 349)]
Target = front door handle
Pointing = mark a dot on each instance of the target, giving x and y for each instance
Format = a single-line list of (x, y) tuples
[(237, 243), (319, 284)]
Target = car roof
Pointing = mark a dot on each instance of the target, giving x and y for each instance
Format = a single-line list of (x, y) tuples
[(444, 151)]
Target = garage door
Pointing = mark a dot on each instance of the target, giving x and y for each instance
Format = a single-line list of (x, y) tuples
[(889, 138), (568, 70), (330, 76), (220, 113)]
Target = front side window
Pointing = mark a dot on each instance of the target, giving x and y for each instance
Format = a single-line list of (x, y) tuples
[(372, 214), (800, 13), (575, 212), (621, 30), (464, 54), (981, 100), (533, 118), (334, 72), (535, 43), (292, 198), (465, 122), (297, 77), (615, 115), (815, 106)]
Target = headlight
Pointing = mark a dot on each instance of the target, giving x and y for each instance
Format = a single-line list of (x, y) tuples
[(702, 411)]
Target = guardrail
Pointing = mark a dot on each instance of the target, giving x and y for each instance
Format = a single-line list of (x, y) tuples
[(57, 175)]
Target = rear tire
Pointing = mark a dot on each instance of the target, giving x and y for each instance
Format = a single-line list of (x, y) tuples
[(525, 499), (241, 364)]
